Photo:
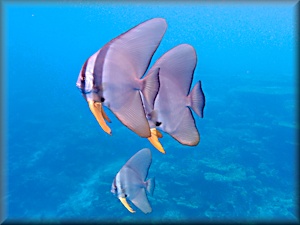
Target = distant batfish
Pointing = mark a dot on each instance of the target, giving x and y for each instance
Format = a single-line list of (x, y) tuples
[(111, 76), (130, 182), (172, 107)]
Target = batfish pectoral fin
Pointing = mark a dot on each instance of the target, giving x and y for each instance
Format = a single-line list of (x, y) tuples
[(155, 134), (125, 203), (97, 110), (158, 134), (103, 112)]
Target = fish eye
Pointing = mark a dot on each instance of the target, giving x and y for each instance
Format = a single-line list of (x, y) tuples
[(148, 116), (125, 196), (102, 99), (157, 124)]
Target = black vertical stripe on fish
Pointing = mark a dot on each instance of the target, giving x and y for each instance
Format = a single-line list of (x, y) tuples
[(98, 70), (83, 71)]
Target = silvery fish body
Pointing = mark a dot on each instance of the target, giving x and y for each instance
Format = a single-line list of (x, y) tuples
[(173, 104), (130, 182), (112, 76)]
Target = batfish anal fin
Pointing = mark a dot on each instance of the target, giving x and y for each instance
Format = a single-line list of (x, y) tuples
[(150, 185), (155, 134), (96, 109), (186, 132), (126, 205), (141, 201), (128, 107), (196, 99)]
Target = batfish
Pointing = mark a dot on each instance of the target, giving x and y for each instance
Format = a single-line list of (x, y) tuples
[(111, 76), (172, 107), (130, 182)]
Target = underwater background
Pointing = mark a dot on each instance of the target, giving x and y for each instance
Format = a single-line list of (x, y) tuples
[(59, 164)]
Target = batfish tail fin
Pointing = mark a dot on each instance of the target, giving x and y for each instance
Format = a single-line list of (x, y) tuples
[(150, 89), (150, 185), (196, 99)]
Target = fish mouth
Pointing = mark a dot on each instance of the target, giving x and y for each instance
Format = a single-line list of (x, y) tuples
[(155, 134), (125, 203), (98, 111)]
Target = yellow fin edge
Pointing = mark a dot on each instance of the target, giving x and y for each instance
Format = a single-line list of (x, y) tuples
[(127, 206), (155, 134), (97, 110)]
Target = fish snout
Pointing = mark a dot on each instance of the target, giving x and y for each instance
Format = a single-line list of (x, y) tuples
[(113, 190)]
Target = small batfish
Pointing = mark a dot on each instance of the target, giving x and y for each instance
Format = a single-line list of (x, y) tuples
[(112, 76), (130, 182), (172, 107)]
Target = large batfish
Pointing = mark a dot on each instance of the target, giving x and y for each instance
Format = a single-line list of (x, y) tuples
[(111, 76), (130, 182), (172, 107)]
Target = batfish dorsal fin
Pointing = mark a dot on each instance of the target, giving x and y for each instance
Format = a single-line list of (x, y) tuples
[(137, 46), (177, 66), (140, 163)]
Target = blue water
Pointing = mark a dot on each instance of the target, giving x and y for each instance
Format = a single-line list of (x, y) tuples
[(60, 164)]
